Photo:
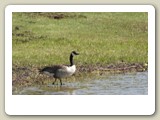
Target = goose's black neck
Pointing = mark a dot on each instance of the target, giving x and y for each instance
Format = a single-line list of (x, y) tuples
[(71, 60)]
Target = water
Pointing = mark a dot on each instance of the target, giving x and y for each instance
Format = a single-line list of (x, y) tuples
[(119, 84)]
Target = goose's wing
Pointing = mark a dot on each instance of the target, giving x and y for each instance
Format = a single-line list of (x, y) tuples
[(57, 71), (53, 69)]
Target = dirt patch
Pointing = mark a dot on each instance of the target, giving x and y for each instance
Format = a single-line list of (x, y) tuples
[(56, 15), (23, 36)]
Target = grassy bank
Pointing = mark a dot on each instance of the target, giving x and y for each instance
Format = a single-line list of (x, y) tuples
[(41, 39)]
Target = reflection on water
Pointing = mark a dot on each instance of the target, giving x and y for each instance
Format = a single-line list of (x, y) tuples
[(121, 84)]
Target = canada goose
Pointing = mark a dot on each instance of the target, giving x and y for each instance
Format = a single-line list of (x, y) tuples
[(61, 71)]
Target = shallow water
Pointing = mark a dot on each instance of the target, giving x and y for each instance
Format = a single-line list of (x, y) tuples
[(118, 84)]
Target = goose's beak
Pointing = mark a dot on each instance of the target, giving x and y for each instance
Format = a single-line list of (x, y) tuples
[(77, 53)]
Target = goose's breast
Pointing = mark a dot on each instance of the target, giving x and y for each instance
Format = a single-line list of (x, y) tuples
[(71, 69)]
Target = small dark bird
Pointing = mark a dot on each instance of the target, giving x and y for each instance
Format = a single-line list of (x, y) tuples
[(61, 71)]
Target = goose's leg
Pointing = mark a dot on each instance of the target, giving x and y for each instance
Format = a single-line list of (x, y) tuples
[(60, 81), (54, 81)]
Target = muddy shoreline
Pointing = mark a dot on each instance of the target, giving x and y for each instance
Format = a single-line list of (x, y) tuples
[(114, 68), (26, 76)]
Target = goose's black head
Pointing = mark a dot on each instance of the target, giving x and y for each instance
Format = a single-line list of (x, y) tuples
[(74, 53)]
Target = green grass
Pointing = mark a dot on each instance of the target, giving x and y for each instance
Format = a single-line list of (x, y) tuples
[(39, 39)]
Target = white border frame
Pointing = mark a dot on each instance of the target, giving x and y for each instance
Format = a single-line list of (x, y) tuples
[(80, 104)]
